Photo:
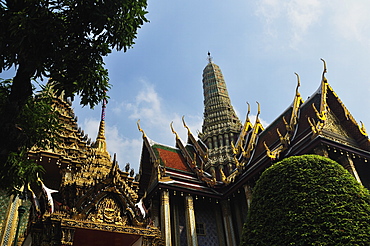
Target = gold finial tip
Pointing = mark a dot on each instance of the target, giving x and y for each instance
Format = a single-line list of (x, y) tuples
[(298, 81), (183, 122), (249, 109), (325, 70), (171, 125), (138, 126), (259, 110), (173, 130)]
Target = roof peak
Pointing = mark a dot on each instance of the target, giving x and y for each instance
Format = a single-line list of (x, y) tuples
[(100, 143), (209, 57)]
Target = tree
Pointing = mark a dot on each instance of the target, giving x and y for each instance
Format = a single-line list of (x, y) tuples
[(63, 41), (308, 200), (38, 125)]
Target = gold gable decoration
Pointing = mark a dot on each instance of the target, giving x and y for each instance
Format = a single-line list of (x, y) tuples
[(290, 127), (335, 131), (108, 211), (333, 125)]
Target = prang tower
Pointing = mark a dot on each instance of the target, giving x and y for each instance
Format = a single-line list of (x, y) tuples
[(221, 124)]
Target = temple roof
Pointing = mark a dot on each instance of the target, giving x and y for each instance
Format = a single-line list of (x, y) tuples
[(323, 118)]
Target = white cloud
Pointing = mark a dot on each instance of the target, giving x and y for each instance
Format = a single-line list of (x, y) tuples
[(147, 105), (252, 118), (289, 19), (352, 20), (154, 116), (91, 127), (127, 150)]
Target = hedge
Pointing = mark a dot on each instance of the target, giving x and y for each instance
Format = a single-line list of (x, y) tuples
[(308, 200)]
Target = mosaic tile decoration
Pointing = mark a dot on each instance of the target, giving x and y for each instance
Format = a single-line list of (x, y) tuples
[(4, 200), (182, 225), (205, 213)]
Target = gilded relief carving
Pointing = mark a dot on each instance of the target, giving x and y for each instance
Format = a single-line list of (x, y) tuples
[(334, 126), (108, 211)]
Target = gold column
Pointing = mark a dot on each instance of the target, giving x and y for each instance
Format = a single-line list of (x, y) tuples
[(228, 223), (191, 233), (166, 220), (10, 222)]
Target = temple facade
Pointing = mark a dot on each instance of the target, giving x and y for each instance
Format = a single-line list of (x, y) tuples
[(83, 199), (199, 192), (195, 193)]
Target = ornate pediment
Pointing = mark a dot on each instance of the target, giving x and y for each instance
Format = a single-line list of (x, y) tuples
[(333, 125), (334, 130), (108, 211)]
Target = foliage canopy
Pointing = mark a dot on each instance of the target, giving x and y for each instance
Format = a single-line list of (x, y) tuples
[(66, 40), (63, 41), (37, 125), (308, 200)]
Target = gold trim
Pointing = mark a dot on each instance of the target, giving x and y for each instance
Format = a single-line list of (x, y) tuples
[(141, 130), (173, 131)]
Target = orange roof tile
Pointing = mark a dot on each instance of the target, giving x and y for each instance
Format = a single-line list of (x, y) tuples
[(172, 159)]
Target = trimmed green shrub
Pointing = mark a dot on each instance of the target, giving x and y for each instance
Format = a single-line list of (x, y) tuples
[(308, 200)]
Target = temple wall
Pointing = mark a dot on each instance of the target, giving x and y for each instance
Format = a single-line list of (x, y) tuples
[(206, 213)]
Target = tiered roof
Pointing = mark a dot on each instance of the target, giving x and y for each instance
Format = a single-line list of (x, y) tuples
[(302, 128), (221, 125), (94, 194)]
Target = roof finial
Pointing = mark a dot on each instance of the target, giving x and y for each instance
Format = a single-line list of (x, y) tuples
[(249, 109), (258, 113), (103, 109), (298, 84), (324, 72), (173, 131), (209, 58), (141, 130), (183, 121)]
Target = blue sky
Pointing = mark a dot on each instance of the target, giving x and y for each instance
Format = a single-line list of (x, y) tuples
[(258, 46)]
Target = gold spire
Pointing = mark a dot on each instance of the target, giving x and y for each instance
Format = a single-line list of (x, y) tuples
[(100, 143), (100, 139)]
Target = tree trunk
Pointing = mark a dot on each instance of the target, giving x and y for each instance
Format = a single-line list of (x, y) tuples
[(12, 137)]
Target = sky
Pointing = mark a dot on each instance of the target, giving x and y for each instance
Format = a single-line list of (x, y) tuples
[(259, 45)]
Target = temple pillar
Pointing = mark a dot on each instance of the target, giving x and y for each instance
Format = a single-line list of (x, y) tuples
[(220, 139), (67, 236), (155, 213), (227, 141), (348, 164), (10, 220), (232, 138), (209, 143), (215, 144), (248, 195), (191, 233), (165, 217), (228, 223)]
